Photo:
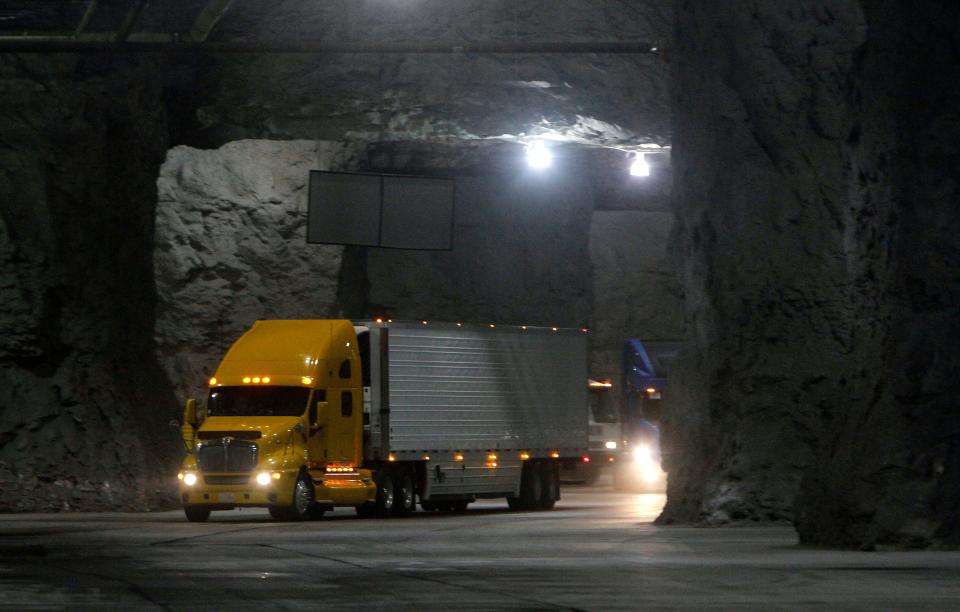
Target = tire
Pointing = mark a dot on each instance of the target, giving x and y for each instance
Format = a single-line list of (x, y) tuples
[(514, 503), (386, 493), (405, 499), (197, 514), (277, 513), (531, 486), (550, 488), (303, 507), (428, 506), (591, 475)]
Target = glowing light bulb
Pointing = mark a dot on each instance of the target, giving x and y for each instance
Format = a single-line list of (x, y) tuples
[(640, 167), (538, 155)]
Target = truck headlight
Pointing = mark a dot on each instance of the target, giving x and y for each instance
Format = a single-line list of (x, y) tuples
[(263, 479), (610, 444), (642, 454), (189, 479)]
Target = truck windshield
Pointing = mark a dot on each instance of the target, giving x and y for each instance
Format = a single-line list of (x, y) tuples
[(257, 401), (602, 406)]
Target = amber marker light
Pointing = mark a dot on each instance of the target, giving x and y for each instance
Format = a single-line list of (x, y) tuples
[(379, 320), (458, 457), (492, 326), (392, 458), (256, 380), (180, 476), (307, 380), (246, 380), (213, 382), (524, 456), (266, 379), (651, 390), (491, 457), (554, 329), (555, 455), (276, 475)]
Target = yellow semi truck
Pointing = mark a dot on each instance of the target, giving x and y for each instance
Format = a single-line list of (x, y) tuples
[(306, 415)]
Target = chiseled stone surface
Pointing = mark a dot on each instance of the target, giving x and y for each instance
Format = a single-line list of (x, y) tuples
[(231, 248), (449, 97), (813, 188), (636, 293), (83, 403)]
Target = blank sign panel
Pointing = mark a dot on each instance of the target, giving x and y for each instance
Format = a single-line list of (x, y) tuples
[(344, 208), (381, 210), (417, 213)]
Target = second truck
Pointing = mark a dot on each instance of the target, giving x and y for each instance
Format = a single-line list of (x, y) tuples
[(306, 415)]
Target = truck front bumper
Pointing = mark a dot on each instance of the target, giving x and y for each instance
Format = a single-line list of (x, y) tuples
[(233, 490)]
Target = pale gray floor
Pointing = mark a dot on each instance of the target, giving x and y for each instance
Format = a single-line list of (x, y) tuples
[(596, 551)]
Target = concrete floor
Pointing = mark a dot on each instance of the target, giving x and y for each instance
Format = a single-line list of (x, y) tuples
[(597, 551)]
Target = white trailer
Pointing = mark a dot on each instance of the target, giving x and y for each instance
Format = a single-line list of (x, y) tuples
[(474, 411)]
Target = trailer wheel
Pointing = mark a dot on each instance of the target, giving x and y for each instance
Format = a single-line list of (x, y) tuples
[(515, 503), (386, 493), (405, 500), (550, 491), (531, 486), (197, 514)]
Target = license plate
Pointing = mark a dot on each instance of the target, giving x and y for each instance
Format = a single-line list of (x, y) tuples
[(226, 497)]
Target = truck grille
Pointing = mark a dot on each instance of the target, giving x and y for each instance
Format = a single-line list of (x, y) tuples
[(237, 456), (220, 479)]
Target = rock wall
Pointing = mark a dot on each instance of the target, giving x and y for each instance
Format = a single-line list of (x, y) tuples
[(231, 248), (83, 404), (636, 293), (812, 189)]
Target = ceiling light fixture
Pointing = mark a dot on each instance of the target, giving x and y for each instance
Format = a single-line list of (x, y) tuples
[(639, 167), (538, 155)]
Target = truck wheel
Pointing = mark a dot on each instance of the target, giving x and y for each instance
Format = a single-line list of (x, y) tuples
[(196, 514), (386, 493), (405, 500), (591, 474), (303, 507), (514, 503), (531, 486), (550, 491)]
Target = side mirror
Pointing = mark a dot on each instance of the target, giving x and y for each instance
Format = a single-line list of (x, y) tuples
[(188, 431)]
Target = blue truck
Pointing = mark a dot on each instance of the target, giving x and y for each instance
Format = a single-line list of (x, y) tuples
[(644, 369)]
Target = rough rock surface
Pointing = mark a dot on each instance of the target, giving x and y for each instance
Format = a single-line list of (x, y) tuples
[(636, 293), (83, 404), (231, 248), (815, 157), (439, 97)]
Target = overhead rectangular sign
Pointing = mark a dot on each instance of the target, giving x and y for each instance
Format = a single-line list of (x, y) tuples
[(381, 210)]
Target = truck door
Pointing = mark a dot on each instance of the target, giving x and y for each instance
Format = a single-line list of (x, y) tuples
[(346, 413)]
